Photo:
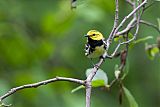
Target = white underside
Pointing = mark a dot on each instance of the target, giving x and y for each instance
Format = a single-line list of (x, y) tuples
[(99, 51)]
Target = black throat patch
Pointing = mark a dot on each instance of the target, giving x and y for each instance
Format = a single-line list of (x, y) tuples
[(94, 43)]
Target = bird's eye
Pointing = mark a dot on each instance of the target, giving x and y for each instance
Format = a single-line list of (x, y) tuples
[(94, 34)]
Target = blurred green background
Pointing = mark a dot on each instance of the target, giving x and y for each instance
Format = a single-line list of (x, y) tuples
[(41, 39)]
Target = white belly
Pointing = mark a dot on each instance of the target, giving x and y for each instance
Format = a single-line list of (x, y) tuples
[(99, 51)]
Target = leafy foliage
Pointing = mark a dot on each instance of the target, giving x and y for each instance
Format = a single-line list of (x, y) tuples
[(100, 79), (131, 99), (139, 41), (152, 51)]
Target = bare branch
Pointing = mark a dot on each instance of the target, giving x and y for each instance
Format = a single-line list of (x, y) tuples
[(130, 2), (129, 15), (89, 80), (88, 94), (138, 20), (35, 85), (128, 28), (126, 42), (93, 72), (150, 24), (115, 21), (131, 23), (151, 4)]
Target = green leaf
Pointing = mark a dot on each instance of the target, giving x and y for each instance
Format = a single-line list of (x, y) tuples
[(100, 75), (95, 83), (130, 35), (98, 83), (130, 98), (148, 51), (143, 39), (116, 39), (154, 51), (100, 79), (77, 88), (151, 51), (140, 40)]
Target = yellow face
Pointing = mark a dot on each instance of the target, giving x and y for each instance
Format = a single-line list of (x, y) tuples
[(95, 35)]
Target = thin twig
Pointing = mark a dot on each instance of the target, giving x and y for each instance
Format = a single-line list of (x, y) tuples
[(128, 28), (35, 85), (130, 2), (138, 19), (126, 42), (112, 82), (150, 24), (115, 22), (151, 4), (129, 15), (131, 23)]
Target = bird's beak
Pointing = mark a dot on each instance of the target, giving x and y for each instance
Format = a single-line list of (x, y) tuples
[(85, 35)]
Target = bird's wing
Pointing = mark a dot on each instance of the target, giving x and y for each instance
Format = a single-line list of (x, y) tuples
[(87, 49)]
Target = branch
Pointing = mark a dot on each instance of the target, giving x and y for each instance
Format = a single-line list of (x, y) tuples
[(35, 85), (89, 80), (131, 23), (94, 71), (138, 20), (130, 2), (128, 28), (115, 22), (126, 42), (150, 24), (129, 15), (151, 4)]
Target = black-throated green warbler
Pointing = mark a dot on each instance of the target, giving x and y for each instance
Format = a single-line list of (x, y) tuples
[(95, 46)]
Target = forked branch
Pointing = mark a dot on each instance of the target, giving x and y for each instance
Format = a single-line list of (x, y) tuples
[(45, 82)]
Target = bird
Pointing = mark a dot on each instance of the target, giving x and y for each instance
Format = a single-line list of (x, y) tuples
[(95, 46)]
